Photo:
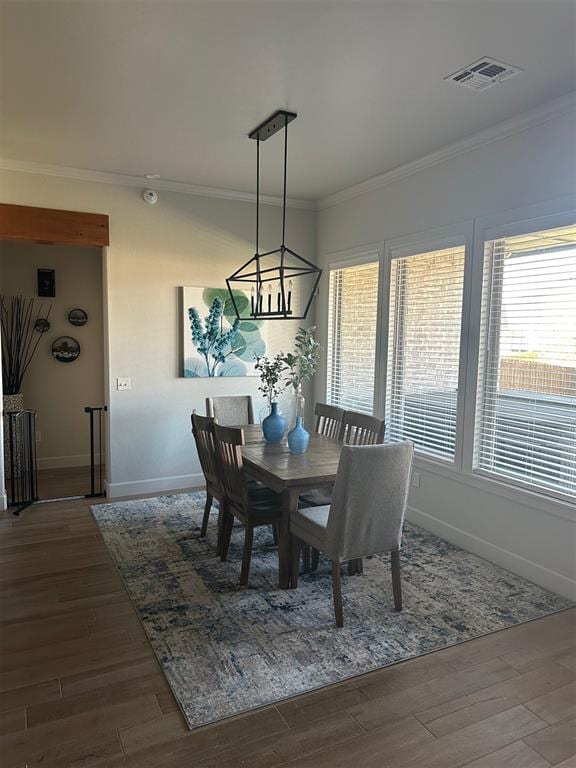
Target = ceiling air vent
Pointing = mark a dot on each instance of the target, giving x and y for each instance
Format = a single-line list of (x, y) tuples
[(483, 73)]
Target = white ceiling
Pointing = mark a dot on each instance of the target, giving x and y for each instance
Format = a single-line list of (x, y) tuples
[(174, 87)]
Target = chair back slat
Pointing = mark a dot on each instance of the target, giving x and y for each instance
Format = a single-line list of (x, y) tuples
[(369, 500), (202, 429), (231, 411), (329, 420), (228, 443), (361, 429)]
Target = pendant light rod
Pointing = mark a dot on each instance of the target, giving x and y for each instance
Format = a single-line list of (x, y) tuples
[(257, 192), (284, 192)]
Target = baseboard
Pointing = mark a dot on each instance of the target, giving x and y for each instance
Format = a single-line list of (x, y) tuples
[(530, 570), (154, 485), (3, 502), (63, 462)]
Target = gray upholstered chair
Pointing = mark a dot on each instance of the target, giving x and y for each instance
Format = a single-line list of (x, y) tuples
[(232, 411), (355, 429), (365, 517)]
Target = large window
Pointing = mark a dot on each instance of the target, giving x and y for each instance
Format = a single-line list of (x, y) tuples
[(425, 316), (352, 315), (526, 404)]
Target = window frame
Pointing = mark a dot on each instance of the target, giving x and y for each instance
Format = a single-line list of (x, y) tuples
[(508, 224), (356, 257), (439, 238)]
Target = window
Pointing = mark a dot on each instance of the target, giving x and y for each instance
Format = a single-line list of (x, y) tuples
[(424, 349), (352, 316), (526, 403)]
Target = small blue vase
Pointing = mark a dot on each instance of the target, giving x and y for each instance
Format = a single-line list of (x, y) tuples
[(274, 425), (298, 437)]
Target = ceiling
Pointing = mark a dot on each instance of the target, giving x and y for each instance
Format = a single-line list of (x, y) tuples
[(174, 87)]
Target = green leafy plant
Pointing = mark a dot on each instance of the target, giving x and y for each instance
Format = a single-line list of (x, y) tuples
[(271, 372), (302, 363)]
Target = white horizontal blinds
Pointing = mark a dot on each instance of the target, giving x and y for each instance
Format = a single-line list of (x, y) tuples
[(424, 349), (353, 307), (526, 408)]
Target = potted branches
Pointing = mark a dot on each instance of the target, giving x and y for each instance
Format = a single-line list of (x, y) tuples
[(301, 366), (271, 386)]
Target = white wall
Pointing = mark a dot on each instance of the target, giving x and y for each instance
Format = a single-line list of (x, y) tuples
[(521, 531), (182, 240), (58, 392)]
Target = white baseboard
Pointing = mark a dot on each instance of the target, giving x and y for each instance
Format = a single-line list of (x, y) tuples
[(530, 570), (63, 462), (154, 485)]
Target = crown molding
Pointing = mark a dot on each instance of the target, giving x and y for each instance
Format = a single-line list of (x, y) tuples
[(160, 185), (542, 114)]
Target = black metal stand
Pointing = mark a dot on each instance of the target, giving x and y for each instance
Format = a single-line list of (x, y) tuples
[(94, 492), (23, 490)]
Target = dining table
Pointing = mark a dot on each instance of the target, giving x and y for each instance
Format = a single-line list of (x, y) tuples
[(289, 475)]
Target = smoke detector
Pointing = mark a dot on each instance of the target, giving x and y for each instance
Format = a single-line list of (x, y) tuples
[(483, 74)]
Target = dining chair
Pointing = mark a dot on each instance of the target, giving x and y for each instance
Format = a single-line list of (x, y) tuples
[(232, 411), (202, 429), (252, 508), (366, 515), (362, 429), (328, 420)]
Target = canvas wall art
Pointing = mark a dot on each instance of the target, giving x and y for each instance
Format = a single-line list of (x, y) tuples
[(216, 343)]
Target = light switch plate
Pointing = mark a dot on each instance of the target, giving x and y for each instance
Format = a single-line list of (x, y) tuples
[(416, 479), (123, 384)]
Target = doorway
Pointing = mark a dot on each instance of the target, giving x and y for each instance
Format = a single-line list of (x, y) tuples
[(64, 385)]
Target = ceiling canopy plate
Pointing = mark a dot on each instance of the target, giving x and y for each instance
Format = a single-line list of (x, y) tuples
[(272, 125)]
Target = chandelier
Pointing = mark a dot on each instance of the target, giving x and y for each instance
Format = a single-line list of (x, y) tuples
[(280, 282)]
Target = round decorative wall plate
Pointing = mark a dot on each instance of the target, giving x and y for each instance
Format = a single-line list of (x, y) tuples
[(65, 349), (77, 317), (42, 325)]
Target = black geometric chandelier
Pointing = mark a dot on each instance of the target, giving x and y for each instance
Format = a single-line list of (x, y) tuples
[(281, 283)]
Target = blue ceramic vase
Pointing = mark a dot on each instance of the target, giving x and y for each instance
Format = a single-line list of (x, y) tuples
[(298, 437), (274, 425)]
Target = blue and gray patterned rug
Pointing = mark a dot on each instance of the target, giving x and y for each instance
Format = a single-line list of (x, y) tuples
[(226, 649)]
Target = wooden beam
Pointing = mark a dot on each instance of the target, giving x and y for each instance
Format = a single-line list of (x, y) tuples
[(49, 225)]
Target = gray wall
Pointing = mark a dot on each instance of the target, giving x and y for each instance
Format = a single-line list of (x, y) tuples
[(182, 240)]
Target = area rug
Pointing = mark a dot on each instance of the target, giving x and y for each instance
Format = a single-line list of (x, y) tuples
[(226, 649)]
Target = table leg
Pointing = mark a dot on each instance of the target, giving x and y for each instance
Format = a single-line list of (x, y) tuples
[(289, 505)]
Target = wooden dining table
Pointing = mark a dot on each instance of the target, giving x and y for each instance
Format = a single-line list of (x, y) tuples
[(289, 475)]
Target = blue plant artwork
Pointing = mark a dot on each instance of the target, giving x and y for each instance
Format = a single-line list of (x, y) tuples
[(216, 343)]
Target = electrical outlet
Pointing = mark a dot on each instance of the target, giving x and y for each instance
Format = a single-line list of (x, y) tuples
[(416, 479), (123, 384)]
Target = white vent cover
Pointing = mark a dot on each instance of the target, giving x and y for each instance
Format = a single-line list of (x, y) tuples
[(483, 73)]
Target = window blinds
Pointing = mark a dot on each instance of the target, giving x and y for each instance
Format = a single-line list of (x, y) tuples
[(424, 349), (352, 316), (526, 403)]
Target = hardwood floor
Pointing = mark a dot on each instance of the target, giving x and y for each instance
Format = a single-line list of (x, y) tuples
[(69, 481), (80, 686)]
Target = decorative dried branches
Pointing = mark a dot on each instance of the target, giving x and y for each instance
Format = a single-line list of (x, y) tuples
[(18, 318)]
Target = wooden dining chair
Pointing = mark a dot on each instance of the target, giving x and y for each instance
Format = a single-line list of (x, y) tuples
[(361, 429), (328, 420), (232, 411), (366, 515), (202, 429), (252, 508)]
